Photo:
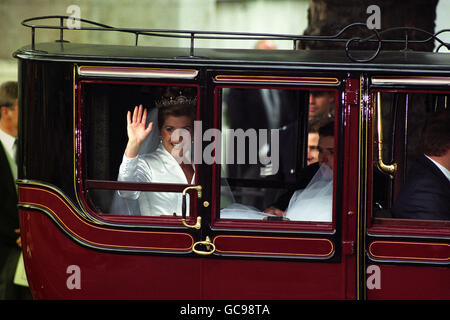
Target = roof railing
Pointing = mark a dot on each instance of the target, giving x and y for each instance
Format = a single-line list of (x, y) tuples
[(375, 38)]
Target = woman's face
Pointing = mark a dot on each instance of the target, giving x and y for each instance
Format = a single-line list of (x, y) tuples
[(171, 124)]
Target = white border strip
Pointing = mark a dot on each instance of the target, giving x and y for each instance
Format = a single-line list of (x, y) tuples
[(125, 72), (422, 81)]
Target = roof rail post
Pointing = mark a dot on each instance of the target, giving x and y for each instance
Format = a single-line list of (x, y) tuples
[(191, 50), (406, 40), (32, 38), (61, 25)]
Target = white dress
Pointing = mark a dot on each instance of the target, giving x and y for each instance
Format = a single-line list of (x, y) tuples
[(159, 167), (314, 203)]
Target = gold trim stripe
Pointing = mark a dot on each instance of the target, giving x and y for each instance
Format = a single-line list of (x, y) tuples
[(276, 253), (407, 243), (40, 205), (284, 79)]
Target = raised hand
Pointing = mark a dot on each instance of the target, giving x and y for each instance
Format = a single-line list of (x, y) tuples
[(136, 130), (274, 211)]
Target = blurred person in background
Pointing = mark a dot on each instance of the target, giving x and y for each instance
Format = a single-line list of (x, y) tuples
[(10, 244)]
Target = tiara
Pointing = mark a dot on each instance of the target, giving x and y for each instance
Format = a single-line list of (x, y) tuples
[(170, 101)]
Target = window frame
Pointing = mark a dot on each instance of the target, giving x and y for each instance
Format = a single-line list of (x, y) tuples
[(83, 185), (379, 226), (286, 226)]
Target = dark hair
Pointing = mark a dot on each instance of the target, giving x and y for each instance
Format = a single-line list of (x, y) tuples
[(176, 107), (316, 123), (436, 134), (321, 93), (8, 93), (327, 130)]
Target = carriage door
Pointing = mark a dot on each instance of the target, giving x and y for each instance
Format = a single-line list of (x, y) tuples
[(142, 216), (258, 150), (407, 239)]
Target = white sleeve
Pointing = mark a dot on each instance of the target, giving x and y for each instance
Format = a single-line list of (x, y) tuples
[(133, 170)]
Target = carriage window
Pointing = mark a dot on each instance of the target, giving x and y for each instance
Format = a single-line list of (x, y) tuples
[(133, 138), (410, 178), (270, 154)]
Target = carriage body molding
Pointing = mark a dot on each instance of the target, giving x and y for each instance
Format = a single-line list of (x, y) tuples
[(78, 245)]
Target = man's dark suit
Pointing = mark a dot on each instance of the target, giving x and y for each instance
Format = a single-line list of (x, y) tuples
[(9, 221), (246, 109), (425, 194), (9, 218), (252, 109)]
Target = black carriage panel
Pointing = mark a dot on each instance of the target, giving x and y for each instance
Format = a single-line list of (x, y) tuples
[(46, 98)]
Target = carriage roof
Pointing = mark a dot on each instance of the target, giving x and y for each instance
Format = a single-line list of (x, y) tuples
[(405, 61), (340, 60)]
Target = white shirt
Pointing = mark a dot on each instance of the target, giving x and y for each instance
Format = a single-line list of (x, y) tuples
[(160, 167), (444, 170), (8, 144)]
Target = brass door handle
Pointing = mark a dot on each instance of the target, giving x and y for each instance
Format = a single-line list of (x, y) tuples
[(197, 226), (198, 188), (183, 207), (210, 247), (389, 169)]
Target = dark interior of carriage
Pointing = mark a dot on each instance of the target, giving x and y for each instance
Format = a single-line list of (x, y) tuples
[(403, 115), (104, 107), (258, 183)]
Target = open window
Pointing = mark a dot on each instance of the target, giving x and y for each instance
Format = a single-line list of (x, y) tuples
[(102, 124), (264, 160), (398, 125)]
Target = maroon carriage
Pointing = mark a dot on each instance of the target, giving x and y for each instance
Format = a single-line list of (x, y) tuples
[(81, 240)]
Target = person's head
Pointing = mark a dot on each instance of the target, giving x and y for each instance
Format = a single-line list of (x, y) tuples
[(326, 144), (313, 140), (265, 44), (313, 148), (321, 104), (175, 113), (9, 108), (436, 137)]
